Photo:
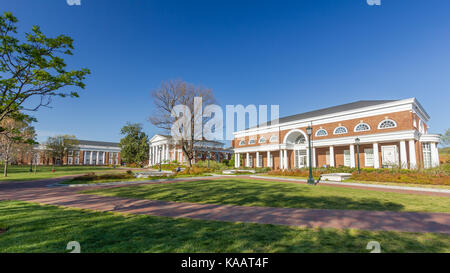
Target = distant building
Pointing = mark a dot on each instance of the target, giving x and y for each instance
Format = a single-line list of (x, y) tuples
[(390, 133), (87, 152), (164, 149)]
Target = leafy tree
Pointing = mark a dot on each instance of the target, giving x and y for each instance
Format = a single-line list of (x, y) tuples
[(58, 146), (18, 136), (134, 146), (445, 138), (34, 70)]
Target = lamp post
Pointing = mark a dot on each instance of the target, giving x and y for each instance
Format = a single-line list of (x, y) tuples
[(310, 178), (357, 140), (159, 150)]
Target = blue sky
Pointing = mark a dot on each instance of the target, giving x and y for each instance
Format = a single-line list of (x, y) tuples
[(302, 55)]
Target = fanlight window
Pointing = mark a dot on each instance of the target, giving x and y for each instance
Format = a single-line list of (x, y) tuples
[(262, 140), (300, 139), (362, 127), (340, 130), (388, 123), (251, 141), (242, 142), (273, 139), (322, 132)]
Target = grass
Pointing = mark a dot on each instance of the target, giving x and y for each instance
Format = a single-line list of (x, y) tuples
[(245, 192), (22, 173), (44, 228)]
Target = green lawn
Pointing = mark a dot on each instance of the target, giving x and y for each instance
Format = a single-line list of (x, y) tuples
[(35, 228), (245, 192), (22, 173)]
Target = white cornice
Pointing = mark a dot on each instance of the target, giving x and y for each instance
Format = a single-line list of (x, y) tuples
[(385, 108)]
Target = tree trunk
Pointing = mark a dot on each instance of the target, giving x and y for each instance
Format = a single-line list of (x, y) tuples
[(5, 170)]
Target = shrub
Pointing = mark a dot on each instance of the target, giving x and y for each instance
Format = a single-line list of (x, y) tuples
[(434, 176), (213, 165), (195, 170)]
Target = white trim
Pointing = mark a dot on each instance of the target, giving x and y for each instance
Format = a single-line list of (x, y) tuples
[(326, 133), (262, 140), (335, 129), (294, 131), (273, 138), (242, 142), (385, 120), (430, 138), (359, 124)]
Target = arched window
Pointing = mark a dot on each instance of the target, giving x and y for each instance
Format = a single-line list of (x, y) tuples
[(300, 139), (321, 132), (387, 123), (273, 139), (362, 127), (242, 142), (251, 141), (340, 130), (262, 140)]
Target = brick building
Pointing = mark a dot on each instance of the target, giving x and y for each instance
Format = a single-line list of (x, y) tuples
[(163, 148), (391, 133), (88, 152)]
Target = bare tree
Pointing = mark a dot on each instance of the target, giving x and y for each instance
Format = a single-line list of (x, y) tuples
[(177, 92)]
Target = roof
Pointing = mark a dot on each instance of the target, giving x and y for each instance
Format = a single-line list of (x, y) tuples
[(330, 110), (98, 143)]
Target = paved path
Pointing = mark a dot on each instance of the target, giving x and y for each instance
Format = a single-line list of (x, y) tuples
[(38, 191)]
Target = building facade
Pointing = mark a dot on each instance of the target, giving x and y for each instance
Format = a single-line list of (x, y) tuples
[(87, 152), (390, 133), (164, 149)]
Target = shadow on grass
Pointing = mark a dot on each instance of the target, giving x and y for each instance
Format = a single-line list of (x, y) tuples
[(231, 192), (34, 228)]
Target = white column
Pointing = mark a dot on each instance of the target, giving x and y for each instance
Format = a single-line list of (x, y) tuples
[(103, 157), (376, 156), (168, 152), (434, 155), (314, 164), (268, 160), (412, 154), (238, 160), (281, 159), (285, 159), (403, 158), (257, 160), (352, 156), (332, 156), (247, 159), (91, 157)]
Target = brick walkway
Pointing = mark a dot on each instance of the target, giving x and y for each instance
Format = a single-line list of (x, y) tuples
[(37, 191)]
